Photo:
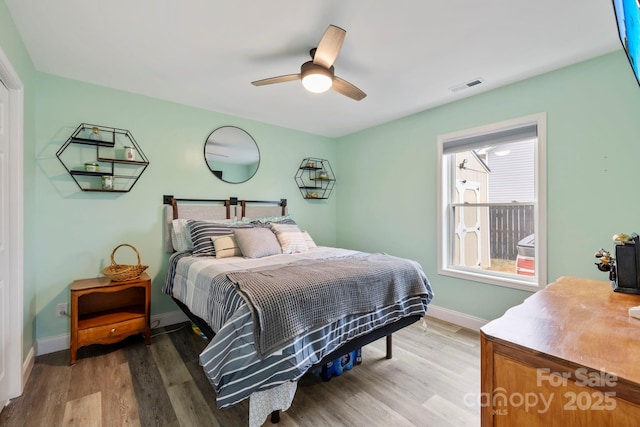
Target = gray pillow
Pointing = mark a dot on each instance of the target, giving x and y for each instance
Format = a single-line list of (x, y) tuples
[(257, 242)]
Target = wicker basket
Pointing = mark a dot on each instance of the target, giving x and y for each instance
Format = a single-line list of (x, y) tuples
[(118, 272)]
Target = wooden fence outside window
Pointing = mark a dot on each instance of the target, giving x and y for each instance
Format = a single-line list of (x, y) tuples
[(507, 226)]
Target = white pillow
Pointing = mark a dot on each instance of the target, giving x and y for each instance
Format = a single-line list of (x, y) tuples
[(308, 240), (290, 238), (226, 246), (180, 238)]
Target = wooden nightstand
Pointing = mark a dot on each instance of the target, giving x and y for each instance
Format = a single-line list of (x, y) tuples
[(105, 312)]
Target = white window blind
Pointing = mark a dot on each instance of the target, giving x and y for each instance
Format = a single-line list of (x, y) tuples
[(499, 137)]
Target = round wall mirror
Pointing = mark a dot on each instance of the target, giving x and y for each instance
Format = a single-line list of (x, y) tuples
[(231, 154)]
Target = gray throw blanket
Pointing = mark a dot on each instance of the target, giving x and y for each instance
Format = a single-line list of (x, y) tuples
[(288, 300)]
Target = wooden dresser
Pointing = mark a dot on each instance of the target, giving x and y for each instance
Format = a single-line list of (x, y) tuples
[(569, 355)]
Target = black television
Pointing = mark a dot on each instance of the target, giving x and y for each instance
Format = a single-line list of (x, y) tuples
[(628, 21)]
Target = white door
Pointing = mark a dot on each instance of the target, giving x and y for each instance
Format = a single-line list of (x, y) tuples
[(4, 243), (467, 225)]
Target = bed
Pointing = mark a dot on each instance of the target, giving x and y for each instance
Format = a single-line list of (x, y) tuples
[(246, 274)]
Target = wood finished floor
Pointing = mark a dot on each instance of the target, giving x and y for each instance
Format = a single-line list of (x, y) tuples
[(431, 381)]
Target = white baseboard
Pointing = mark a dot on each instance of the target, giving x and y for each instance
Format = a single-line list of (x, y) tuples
[(166, 319), (52, 344), (27, 366), (456, 317), (61, 342)]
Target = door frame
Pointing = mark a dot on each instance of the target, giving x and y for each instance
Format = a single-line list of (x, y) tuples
[(16, 372)]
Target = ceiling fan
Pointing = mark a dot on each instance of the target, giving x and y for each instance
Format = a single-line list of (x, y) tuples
[(318, 75)]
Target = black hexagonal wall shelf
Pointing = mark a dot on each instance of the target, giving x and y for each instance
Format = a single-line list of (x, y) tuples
[(101, 158), (315, 178)]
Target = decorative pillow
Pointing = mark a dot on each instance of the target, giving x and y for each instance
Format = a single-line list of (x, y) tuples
[(266, 220), (202, 231), (224, 221), (226, 246), (308, 240), (180, 239), (257, 242), (290, 238)]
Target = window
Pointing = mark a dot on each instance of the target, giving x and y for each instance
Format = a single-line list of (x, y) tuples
[(491, 203)]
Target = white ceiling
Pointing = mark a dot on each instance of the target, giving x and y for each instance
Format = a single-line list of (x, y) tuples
[(404, 54)]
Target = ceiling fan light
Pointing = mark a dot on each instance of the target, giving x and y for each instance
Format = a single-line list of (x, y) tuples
[(315, 78), (317, 83)]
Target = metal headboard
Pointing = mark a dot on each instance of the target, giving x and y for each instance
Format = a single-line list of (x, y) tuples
[(170, 200), (231, 201)]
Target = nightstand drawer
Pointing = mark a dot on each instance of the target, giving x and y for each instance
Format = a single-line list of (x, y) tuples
[(115, 330)]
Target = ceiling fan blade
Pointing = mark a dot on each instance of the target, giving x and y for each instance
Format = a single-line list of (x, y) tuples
[(329, 46), (347, 89), (279, 79)]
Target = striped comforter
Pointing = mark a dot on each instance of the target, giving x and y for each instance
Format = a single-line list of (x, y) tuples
[(230, 361)]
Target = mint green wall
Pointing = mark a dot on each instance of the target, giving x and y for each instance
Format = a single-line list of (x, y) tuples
[(386, 179), (11, 44), (388, 173), (76, 231)]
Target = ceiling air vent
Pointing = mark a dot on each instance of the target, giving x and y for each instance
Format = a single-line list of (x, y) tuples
[(466, 85)]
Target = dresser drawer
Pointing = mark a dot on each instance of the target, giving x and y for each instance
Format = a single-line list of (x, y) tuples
[(111, 332)]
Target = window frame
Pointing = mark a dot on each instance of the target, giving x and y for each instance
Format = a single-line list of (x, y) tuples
[(445, 194)]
